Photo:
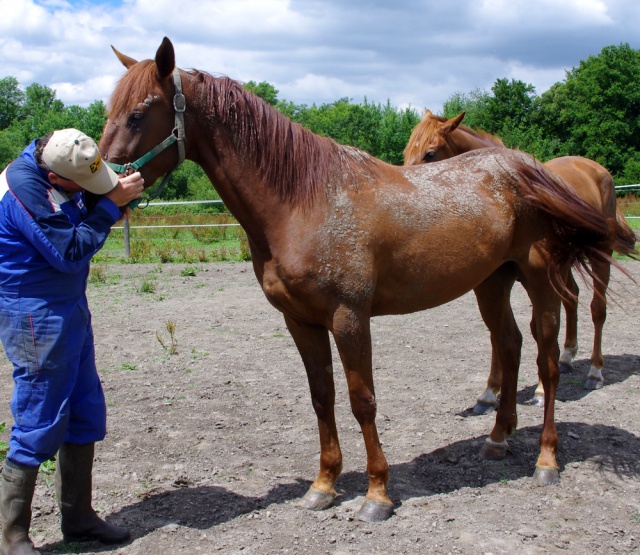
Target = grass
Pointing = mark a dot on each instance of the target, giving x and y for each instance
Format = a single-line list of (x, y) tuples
[(147, 286), (128, 366), (4, 446), (630, 206), (174, 245)]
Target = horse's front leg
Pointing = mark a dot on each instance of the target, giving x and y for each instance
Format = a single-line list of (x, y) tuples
[(493, 297), (352, 334), (488, 400), (315, 350)]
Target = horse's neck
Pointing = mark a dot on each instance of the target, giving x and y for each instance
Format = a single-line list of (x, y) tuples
[(241, 191), (465, 141), (257, 205)]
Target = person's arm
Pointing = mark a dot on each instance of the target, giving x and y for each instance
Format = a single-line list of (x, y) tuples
[(68, 248)]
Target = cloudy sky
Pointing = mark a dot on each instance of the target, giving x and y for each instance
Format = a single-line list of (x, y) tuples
[(411, 52)]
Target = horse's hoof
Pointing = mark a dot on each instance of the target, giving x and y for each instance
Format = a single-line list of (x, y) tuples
[(537, 401), (494, 451), (593, 383), (546, 476), (375, 511), (565, 368), (483, 408), (316, 500)]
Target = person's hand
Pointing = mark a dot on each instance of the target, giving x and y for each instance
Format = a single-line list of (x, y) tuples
[(129, 187)]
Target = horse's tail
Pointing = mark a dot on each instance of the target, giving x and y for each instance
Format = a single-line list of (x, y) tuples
[(624, 238), (581, 233)]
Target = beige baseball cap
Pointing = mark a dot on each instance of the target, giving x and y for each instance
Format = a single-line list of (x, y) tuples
[(75, 156)]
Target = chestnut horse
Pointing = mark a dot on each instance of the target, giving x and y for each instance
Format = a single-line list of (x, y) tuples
[(337, 237), (438, 138)]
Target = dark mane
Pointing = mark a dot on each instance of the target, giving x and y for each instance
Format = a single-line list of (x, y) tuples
[(296, 162)]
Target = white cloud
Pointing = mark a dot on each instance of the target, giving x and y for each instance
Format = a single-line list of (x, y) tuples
[(414, 52)]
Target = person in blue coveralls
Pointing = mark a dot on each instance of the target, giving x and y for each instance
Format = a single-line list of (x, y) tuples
[(47, 239)]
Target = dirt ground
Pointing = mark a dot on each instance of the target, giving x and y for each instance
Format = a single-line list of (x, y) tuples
[(209, 449)]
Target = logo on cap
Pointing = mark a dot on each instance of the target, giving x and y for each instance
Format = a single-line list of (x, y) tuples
[(96, 165)]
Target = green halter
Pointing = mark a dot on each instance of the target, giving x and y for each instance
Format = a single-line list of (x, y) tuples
[(177, 136)]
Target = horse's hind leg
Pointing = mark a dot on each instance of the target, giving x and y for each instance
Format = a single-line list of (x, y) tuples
[(351, 331), (570, 303), (493, 297), (602, 273), (315, 350), (545, 325)]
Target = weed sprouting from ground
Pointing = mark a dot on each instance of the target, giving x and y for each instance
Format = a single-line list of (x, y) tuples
[(172, 346), (147, 286), (98, 274)]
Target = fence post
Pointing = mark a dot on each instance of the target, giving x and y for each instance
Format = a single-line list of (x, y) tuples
[(127, 246)]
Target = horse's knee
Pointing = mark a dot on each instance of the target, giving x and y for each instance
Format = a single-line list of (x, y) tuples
[(364, 407)]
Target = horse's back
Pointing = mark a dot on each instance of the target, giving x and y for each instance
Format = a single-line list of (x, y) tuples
[(590, 180), (449, 227)]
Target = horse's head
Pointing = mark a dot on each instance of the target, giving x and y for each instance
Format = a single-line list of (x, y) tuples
[(142, 115), (430, 139)]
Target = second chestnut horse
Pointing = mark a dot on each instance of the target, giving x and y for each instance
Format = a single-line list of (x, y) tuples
[(438, 138)]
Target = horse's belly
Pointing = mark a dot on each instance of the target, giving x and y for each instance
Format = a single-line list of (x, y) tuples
[(417, 286)]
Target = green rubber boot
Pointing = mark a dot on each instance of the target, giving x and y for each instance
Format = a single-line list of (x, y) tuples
[(18, 485), (73, 490)]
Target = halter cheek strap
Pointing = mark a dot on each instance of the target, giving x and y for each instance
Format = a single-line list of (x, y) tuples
[(177, 136)]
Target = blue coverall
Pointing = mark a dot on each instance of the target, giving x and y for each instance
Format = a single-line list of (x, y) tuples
[(47, 239)]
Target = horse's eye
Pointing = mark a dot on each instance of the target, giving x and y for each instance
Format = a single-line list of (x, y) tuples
[(429, 155), (135, 117)]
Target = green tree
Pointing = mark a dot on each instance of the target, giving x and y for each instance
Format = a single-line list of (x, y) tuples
[(395, 129), (595, 112), (90, 120), (510, 105), (474, 104), (264, 90), (11, 144), (11, 98)]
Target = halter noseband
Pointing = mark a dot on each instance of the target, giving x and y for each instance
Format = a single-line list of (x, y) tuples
[(177, 136)]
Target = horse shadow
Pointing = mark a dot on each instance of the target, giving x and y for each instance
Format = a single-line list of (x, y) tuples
[(458, 465), (443, 470), (617, 369)]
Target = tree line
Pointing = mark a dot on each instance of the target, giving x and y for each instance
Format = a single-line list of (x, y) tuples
[(594, 112)]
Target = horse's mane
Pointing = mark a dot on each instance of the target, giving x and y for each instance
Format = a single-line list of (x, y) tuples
[(425, 134), (296, 162)]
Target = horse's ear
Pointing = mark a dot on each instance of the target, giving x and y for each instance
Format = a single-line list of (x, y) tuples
[(427, 114), (126, 60), (452, 124), (165, 59)]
